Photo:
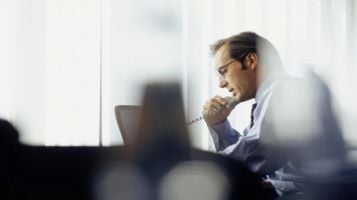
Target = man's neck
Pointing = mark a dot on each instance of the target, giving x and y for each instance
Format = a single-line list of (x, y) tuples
[(265, 81)]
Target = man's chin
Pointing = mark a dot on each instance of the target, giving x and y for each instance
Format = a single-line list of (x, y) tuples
[(237, 97), (240, 98)]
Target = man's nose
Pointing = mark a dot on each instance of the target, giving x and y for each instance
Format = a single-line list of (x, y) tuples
[(222, 82)]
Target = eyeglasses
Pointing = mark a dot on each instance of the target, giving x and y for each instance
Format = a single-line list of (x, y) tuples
[(223, 69)]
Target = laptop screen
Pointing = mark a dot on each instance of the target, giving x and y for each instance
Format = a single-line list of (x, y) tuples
[(127, 117)]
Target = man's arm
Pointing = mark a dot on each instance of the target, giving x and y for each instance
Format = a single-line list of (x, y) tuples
[(215, 113), (223, 135)]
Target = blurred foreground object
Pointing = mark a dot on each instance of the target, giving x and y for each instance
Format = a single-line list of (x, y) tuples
[(163, 153), (161, 164), (307, 134)]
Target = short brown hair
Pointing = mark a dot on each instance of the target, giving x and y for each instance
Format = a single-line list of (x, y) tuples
[(247, 42)]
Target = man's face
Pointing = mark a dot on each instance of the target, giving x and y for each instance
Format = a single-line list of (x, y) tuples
[(240, 82)]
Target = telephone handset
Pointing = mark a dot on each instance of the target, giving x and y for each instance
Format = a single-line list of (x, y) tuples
[(232, 102)]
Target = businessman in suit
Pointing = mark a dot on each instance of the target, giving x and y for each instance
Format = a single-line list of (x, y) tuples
[(249, 67)]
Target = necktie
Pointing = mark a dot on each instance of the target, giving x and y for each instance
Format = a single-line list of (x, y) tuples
[(251, 115)]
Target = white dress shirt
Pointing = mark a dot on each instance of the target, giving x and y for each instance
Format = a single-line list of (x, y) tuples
[(248, 148)]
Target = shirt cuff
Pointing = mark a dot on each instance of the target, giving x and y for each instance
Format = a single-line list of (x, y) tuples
[(224, 129), (223, 135)]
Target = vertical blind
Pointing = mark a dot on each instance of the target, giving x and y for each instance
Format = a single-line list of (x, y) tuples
[(65, 64)]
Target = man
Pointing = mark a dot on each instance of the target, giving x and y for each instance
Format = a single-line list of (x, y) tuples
[(249, 67)]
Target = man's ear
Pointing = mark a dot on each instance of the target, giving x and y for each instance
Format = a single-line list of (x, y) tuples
[(252, 61)]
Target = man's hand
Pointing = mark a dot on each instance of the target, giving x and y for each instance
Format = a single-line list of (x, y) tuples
[(215, 111)]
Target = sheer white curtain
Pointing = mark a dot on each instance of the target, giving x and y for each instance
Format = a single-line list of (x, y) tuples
[(72, 73), (317, 33), (50, 70), (65, 64)]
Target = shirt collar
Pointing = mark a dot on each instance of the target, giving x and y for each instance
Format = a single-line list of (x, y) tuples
[(267, 84)]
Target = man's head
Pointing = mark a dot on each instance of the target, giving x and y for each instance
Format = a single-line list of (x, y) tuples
[(239, 58)]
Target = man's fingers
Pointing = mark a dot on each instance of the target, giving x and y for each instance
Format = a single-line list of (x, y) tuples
[(221, 100), (213, 104), (210, 112), (215, 110)]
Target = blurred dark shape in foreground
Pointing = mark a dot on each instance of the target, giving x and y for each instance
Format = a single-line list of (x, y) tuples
[(29, 172), (160, 164), (308, 135), (163, 153)]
